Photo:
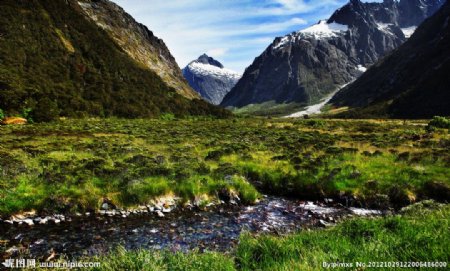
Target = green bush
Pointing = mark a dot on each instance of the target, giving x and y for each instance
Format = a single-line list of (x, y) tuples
[(438, 122), (2, 115), (315, 123), (145, 190), (167, 116), (27, 114), (46, 110)]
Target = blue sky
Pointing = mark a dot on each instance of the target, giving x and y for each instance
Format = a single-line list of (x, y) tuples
[(232, 31)]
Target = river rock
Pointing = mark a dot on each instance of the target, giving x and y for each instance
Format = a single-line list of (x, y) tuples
[(12, 250), (323, 223), (54, 220), (159, 214), (28, 221), (106, 206)]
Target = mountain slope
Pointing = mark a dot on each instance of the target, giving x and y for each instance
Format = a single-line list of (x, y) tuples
[(210, 79), (305, 66), (412, 82), (138, 42), (54, 61)]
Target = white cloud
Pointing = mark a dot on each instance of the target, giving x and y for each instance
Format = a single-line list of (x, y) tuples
[(217, 52), (235, 31)]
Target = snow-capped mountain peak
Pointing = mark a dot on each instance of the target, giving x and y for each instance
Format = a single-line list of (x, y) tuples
[(205, 59), (210, 78), (306, 66)]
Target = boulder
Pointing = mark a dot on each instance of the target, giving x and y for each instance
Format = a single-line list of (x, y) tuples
[(107, 205)]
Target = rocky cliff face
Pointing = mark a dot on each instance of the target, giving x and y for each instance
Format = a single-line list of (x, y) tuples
[(139, 42), (412, 82), (210, 79), (305, 66)]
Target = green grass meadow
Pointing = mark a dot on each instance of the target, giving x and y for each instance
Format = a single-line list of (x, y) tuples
[(72, 165)]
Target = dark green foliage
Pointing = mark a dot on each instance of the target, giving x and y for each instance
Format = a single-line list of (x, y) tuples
[(438, 122), (167, 116), (45, 110), (57, 63), (437, 190), (2, 115), (27, 114)]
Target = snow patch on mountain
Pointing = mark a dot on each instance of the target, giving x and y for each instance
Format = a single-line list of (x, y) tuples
[(385, 28), (210, 70), (316, 108), (321, 30), (408, 31), (324, 30), (361, 68)]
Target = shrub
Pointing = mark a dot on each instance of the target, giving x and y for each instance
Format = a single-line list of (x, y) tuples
[(438, 122), (247, 192), (167, 116), (27, 114), (145, 190), (46, 110), (2, 115), (315, 123)]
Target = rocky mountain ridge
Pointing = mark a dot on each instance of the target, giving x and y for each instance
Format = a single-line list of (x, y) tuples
[(305, 66), (138, 41), (412, 82)]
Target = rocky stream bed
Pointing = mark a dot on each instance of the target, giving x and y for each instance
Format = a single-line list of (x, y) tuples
[(215, 229)]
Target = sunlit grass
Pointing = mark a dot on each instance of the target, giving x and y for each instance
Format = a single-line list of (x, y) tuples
[(74, 164)]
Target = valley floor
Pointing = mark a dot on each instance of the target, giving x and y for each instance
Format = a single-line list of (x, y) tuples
[(73, 166)]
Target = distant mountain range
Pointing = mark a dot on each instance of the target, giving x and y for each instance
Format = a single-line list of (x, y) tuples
[(306, 66), (412, 82), (90, 58), (210, 79), (87, 58)]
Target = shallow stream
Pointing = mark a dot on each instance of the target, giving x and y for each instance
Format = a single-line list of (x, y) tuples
[(216, 229)]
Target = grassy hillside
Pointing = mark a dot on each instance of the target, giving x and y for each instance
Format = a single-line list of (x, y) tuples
[(55, 62)]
